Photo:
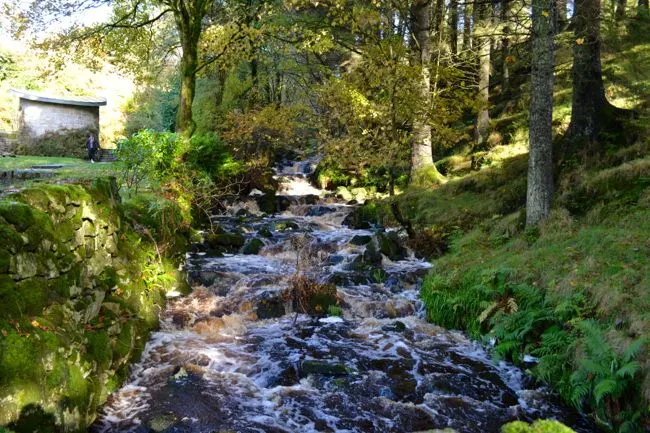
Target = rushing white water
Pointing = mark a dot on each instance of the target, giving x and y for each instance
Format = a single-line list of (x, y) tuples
[(293, 178), (228, 357)]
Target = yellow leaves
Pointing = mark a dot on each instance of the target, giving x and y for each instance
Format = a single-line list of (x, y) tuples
[(510, 59), (4, 333), (35, 324), (545, 13), (580, 41)]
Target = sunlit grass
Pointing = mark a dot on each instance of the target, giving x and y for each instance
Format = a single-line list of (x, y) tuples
[(73, 168)]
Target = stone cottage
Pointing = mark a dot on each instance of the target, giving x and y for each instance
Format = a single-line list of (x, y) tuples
[(54, 126)]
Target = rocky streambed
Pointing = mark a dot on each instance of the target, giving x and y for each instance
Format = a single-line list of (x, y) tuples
[(240, 355)]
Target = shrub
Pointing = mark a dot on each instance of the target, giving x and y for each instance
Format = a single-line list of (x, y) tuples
[(70, 142), (146, 155), (264, 134)]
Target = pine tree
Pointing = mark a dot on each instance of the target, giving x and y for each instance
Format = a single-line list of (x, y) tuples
[(540, 162)]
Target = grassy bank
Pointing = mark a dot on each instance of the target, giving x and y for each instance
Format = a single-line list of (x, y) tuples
[(73, 168), (569, 300)]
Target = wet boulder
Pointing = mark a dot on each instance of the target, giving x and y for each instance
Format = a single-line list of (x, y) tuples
[(253, 246), (372, 254), (265, 232), (270, 306), (283, 203), (160, 423), (224, 241), (281, 226), (267, 203), (355, 220), (390, 246), (360, 240), (323, 367)]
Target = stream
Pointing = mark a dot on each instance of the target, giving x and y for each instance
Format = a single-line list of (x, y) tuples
[(233, 356)]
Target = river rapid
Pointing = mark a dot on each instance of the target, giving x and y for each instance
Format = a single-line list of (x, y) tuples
[(233, 356)]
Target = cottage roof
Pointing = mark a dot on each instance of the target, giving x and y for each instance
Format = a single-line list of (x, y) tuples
[(87, 101)]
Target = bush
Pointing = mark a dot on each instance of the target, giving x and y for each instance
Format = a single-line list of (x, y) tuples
[(265, 134), (147, 155), (71, 143)]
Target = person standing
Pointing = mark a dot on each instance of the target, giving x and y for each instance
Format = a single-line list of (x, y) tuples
[(91, 146)]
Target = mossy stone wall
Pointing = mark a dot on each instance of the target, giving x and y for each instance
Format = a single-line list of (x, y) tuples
[(80, 289)]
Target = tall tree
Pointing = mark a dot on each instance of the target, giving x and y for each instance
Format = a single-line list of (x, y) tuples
[(189, 19), (620, 10), (540, 161), (505, 46), (453, 26), (482, 32), (421, 152), (560, 13), (467, 26), (588, 102), (188, 15)]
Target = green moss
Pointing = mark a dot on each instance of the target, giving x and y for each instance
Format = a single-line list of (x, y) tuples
[(20, 215), (77, 391), (19, 358), (539, 426), (45, 357), (57, 374), (28, 297), (98, 348), (253, 246)]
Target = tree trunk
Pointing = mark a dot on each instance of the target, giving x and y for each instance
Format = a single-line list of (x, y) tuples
[(189, 63), (560, 13), (188, 17), (589, 99), (483, 41), (439, 16), (255, 81), (453, 26), (467, 26), (620, 10), (222, 76), (421, 153), (540, 162), (505, 46)]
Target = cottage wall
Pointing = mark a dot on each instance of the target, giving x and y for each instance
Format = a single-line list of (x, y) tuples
[(39, 118)]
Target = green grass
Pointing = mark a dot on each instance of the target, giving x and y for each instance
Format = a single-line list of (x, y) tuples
[(534, 290), (74, 168)]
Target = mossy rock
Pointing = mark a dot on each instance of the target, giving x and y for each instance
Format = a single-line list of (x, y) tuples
[(281, 226), (106, 188), (325, 368), (539, 426), (390, 246), (360, 240), (229, 241), (253, 246), (19, 215), (372, 254), (10, 239), (265, 232), (267, 203), (26, 297), (159, 423)]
